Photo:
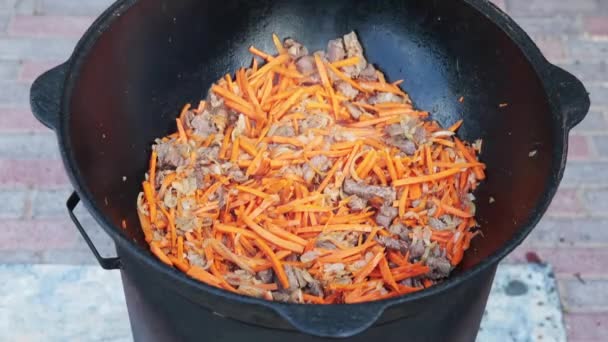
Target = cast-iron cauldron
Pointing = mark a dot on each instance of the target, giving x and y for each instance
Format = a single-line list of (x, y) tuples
[(142, 60)]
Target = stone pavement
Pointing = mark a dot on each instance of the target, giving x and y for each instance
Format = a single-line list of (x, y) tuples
[(573, 237), (523, 305)]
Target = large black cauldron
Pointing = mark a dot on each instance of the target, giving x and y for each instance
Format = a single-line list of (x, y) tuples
[(141, 60)]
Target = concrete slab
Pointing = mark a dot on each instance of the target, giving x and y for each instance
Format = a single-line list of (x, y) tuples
[(86, 303)]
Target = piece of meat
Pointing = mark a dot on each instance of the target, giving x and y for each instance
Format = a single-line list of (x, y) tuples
[(308, 173), (417, 249), (336, 50), (354, 49), (357, 203), (324, 244), (309, 256), (202, 125), (313, 121), (306, 65), (384, 98), (401, 231), (281, 297), (213, 100), (188, 118), (347, 90), (294, 48), (315, 288), (392, 243), (320, 163), (354, 111), (351, 187), (440, 267), (291, 276), (282, 131), (420, 135), (253, 291), (386, 214), (169, 156), (369, 73), (237, 175), (265, 276), (437, 223), (403, 144)]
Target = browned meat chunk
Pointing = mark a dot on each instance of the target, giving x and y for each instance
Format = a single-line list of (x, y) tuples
[(363, 190), (306, 64), (266, 276), (417, 249), (320, 163), (385, 215), (420, 135), (295, 49), (313, 121), (440, 267), (347, 90), (283, 131), (437, 223), (354, 111), (202, 125), (405, 145), (392, 243), (238, 175), (169, 155), (354, 49), (385, 97), (401, 231), (357, 203), (369, 73), (315, 288), (335, 50)]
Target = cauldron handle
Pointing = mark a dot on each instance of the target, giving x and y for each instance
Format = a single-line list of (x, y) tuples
[(106, 263), (333, 321), (569, 93), (45, 95)]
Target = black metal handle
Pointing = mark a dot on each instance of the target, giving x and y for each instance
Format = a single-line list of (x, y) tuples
[(570, 94), (332, 321), (106, 263), (45, 95)]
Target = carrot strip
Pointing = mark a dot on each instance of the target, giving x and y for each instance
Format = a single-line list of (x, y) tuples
[(428, 178), (260, 53), (369, 267), (268, 236), (276, 263)]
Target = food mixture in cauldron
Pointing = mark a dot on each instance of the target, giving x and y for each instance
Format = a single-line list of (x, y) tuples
[(310, 178)]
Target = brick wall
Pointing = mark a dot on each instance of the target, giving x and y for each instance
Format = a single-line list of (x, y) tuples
[(38, 34)]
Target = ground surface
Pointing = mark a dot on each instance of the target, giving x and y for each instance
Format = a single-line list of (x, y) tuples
[(573, 237), (86, 303)]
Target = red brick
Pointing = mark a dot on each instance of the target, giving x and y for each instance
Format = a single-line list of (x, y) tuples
[(48, 26), (567, 261), (566, 203), (578, 148), (32, 173), (19, 120), (587, 326), (32, 69), (596, 25), (38, 235)]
